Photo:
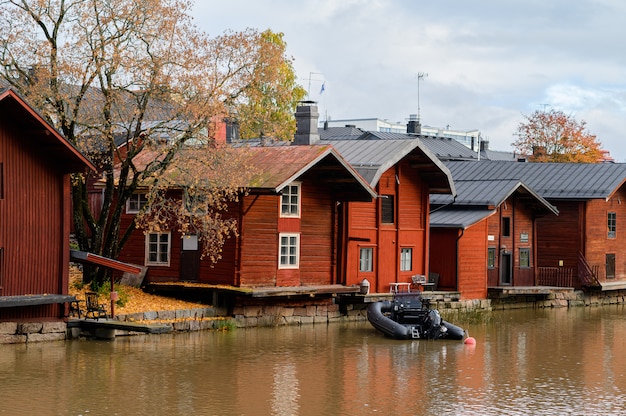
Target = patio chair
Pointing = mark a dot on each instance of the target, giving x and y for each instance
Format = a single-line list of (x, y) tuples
[(94, 310)]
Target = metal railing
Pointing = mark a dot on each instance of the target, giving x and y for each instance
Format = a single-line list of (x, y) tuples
[(555, 276)]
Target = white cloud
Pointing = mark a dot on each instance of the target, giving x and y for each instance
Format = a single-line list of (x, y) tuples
[(488, 61)]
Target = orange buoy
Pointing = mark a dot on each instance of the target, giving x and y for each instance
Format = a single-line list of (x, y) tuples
[(469, 341)]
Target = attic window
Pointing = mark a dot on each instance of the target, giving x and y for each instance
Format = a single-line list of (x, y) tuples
[(387, 210), (506, 227), (290, 201)]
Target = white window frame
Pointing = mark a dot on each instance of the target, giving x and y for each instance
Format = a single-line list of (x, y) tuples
[(159, 250), (366, 263), (289, 255), (406, 259), (136, 197), (286, 198)]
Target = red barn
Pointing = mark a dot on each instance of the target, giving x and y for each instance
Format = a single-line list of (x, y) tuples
[(35, 163)]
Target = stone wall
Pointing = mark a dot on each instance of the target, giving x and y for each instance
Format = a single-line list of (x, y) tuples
[(22, 332)]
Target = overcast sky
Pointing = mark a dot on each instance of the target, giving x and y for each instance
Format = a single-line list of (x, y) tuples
[(488, 61)]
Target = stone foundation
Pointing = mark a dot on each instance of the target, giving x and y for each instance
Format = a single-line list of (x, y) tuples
[(304, 313), (23, 332)]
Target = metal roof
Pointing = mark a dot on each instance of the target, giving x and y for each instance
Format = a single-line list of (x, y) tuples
[(278, 166), (490, 194), (371, 158), (340, 133), (579, 181), (458, 218)]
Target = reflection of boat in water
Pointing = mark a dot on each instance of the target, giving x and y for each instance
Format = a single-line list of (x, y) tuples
[(408, 317)]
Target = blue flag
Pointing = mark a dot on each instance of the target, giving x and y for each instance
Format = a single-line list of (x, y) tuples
[(323, 87)]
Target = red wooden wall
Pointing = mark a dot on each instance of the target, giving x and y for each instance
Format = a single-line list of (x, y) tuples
[(34, 223), (364, 229)]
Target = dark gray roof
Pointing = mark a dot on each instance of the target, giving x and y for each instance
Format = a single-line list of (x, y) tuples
[(340, 133), (488, 154), (458, 218), (371, 158), (489, 193), (449, 149), (578, 181)]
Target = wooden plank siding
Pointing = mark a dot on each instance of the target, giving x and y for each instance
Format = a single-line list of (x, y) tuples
[(443, 256), (34, 223), (365, 229), (597, 241), (472, 270), (559, 239)]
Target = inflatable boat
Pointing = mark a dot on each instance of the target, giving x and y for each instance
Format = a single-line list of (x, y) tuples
[(407, 317)]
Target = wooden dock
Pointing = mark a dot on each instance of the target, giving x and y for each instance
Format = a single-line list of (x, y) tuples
[(105, 328)]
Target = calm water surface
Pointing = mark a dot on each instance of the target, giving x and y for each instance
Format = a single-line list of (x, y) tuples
[(545, 362)]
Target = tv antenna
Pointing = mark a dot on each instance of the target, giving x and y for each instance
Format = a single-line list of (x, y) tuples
[(420, 76)]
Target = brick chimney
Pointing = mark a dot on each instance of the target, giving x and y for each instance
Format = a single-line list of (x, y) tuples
[(306, 123)]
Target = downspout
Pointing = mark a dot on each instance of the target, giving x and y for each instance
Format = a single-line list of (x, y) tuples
[(458, 238)]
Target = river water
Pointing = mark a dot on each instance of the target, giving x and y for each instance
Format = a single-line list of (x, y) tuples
[(525, 362)]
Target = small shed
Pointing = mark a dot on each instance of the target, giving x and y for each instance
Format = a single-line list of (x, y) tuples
[(35, 166)]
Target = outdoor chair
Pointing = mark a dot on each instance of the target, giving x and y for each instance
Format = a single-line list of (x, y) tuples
[(94, 310), (433, 280)]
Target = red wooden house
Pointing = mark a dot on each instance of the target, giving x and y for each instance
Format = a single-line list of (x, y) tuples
[(583, 245), (386, 241), (486, 236), (35, 163), (287, 225)]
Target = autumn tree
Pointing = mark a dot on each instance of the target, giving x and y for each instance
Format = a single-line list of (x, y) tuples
[(139, 73), (554, 136), (268, 104)]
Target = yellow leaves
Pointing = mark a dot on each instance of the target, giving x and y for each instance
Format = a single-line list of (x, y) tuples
[(556, 137)]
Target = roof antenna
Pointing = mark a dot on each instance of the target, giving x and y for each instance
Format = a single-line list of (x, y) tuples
[(420, 76)]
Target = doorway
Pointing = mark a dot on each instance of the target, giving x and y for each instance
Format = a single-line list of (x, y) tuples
[(505, 269), (190, 259)]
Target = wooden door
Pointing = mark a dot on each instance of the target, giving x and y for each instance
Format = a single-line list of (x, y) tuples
[(190, 258)]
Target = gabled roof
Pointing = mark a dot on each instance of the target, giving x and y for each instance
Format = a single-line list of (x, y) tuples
[(48, 140), (371, 158), (573, 181), (278, 166), (489, 193), (281, 165)]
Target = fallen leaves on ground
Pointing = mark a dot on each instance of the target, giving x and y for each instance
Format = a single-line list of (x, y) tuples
[(136, 300)]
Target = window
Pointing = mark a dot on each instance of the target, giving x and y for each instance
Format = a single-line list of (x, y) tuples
[(158, 249), (524, 258), (611, 224), (289, 251), (136, 202), (491, 257), (366, 259), (610, 266), (506, 226), (387, 209), (406, 259), (290, 201)]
